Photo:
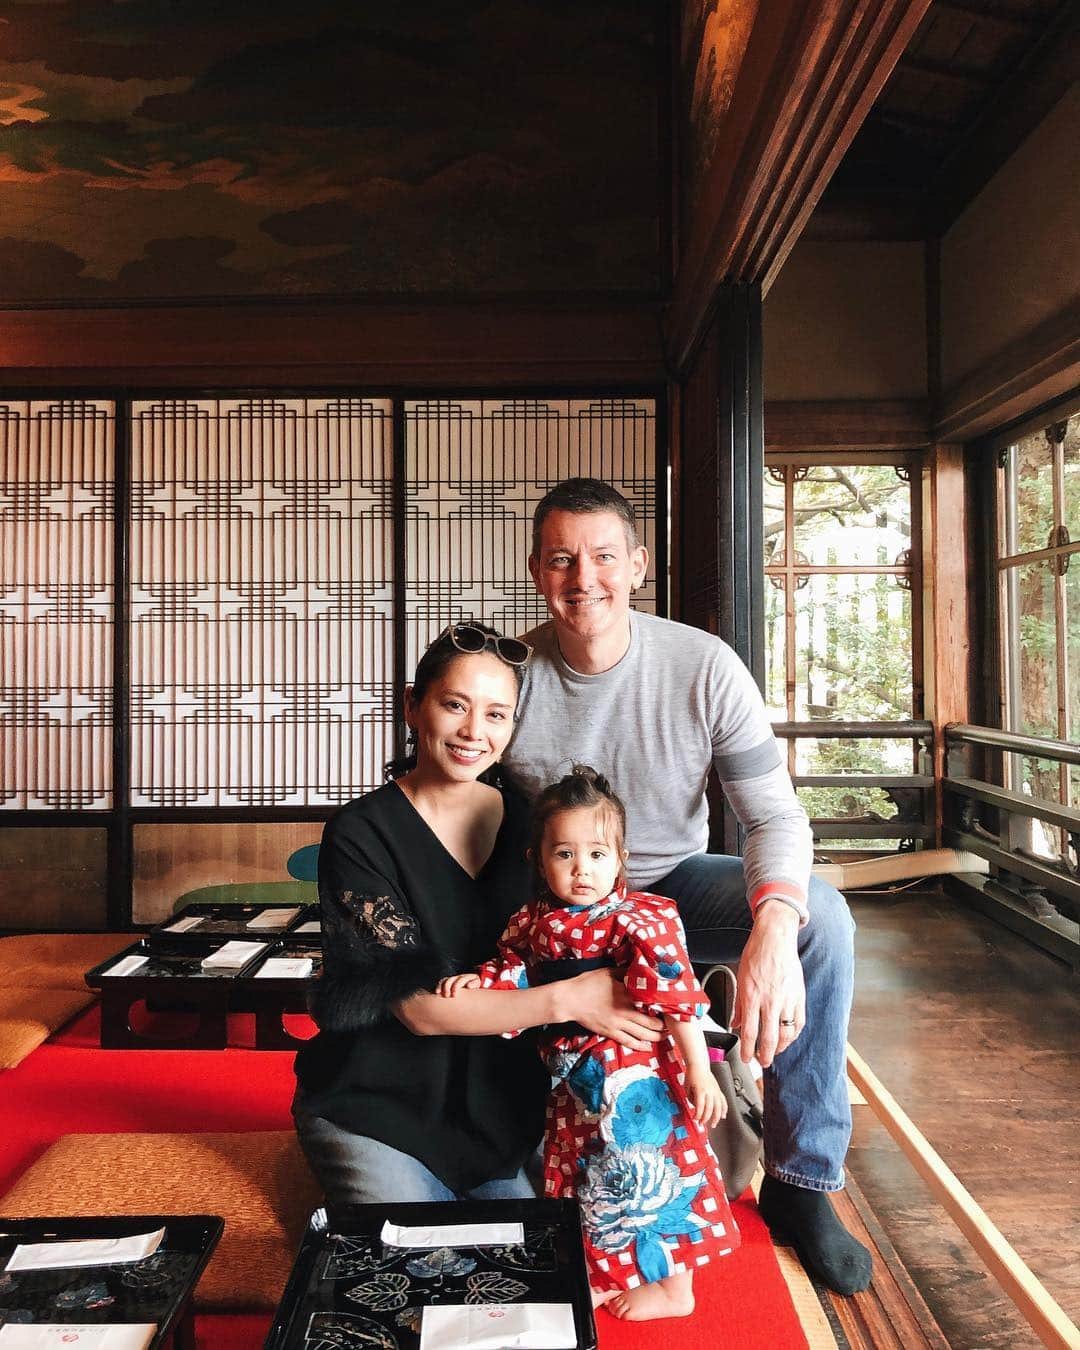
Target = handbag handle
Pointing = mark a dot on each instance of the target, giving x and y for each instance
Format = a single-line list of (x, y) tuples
[(721, 1007)]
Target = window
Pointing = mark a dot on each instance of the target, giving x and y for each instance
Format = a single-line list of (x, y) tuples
[(209, 607), (842, 602), (1038, 563)]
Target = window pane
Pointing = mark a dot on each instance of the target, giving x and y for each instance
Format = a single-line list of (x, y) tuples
[(1034, 491), (839, 803), (828, 847), (261, 600), (1031, 634), (773, 499), (854, 514), (1072, 646), (56, 604), (854, 755), (1072, 477), (853, 641), (775, 649), (1041, 778)]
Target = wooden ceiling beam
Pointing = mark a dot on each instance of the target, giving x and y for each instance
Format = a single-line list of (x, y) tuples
[(997, 13), (811, 73), (913, 121), (1019, 103), (924, 65)]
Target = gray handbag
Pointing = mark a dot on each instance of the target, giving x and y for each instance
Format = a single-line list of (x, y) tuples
[(737, 1139)]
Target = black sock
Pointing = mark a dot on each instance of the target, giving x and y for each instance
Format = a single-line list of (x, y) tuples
[(807, 1221)]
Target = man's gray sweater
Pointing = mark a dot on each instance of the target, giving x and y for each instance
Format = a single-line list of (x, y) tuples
[(679, 702)]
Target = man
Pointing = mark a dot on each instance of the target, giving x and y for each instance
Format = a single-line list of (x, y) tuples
[(653, 705)]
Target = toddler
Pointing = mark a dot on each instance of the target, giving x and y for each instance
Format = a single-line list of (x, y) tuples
[(626, 1130)]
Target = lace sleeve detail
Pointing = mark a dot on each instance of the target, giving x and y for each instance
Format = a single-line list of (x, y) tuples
[(379, 920)]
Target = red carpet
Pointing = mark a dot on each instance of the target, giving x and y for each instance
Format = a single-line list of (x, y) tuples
[(743, 1303)]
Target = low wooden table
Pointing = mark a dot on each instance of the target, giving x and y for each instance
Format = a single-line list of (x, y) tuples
[(172, 980), (348, 1287), (156, 1289)]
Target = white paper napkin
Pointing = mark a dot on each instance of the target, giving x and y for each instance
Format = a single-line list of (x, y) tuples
[(495, 1326), (273, 918), (232, 956), (83, 1252), (39, 1336), (285, 968), (312, 926), (454, 1235), (128, 965), (182, 925)]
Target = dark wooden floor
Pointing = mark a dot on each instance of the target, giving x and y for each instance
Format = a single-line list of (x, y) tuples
[(977, 1035)]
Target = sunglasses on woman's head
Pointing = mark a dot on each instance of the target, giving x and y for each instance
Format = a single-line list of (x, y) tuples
[(466, 637)]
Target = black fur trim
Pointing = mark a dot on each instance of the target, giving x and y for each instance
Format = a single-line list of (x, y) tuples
[(352, 994)]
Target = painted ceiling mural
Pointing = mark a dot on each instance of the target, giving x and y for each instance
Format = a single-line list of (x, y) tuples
[(714, 37), (162, 149)]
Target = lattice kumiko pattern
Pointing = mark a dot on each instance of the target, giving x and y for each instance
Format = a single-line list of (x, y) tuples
[(56, 609), (261, 600), (475, 470)]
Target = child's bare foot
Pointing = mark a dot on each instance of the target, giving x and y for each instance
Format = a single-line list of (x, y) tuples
[(601, 1296), (673, 1297)]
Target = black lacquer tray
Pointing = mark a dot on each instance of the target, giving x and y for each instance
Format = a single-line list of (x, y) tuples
[(349, 1291), (156, 1289), (223, 920)]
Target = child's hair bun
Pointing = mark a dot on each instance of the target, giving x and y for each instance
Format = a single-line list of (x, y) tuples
[(592, 776)]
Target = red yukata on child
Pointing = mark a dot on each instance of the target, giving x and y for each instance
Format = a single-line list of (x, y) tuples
[(620, 1135)]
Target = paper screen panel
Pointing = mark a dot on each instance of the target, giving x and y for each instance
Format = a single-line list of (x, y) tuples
[(261, 600), (56, 604), (475, 471)]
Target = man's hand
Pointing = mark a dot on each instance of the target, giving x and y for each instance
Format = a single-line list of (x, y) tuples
[(600, 1002), (770, 1008)]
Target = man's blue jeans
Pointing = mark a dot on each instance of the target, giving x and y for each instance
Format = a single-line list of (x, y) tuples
[(807, 1114), (354, 1169)]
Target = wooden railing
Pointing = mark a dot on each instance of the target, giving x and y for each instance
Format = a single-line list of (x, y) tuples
[(1034, 895)]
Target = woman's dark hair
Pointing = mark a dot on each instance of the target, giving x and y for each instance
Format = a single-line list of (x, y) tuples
[(438, 658), (582, 787)]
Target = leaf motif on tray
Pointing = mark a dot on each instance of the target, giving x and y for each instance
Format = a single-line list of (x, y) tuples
[(341, 1331), (439, 1262), (85, 1296), (383, 1293), (537, 1252), (351, 1257), (409, 1318), (491, 1287), (157, 1271)]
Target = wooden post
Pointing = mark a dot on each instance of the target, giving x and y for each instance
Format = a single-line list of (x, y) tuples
[(945, 601)]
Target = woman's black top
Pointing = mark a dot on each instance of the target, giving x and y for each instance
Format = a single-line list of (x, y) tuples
[(398, 913)]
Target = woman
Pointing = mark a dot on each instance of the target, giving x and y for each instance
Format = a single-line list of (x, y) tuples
[(403, 1095)]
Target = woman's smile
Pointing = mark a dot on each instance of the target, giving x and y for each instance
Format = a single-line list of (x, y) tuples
[(466, 717)]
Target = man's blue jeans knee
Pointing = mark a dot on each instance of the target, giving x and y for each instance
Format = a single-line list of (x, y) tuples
[(354, 1169), (807, 1113)]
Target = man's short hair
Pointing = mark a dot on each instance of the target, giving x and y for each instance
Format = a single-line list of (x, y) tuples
[(582, 497)]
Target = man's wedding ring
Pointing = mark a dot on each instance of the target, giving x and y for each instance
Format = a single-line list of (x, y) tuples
[(787, 1021)]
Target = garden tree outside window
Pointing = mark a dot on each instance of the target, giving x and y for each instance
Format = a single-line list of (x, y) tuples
[(842, 600), (1038, 563)]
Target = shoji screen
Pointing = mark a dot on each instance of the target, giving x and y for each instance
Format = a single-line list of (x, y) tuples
[(56, 604), (261, 606), (474, 471)]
